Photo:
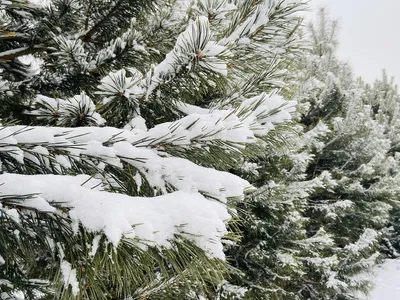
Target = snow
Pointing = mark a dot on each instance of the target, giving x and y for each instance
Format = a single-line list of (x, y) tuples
[(230, 289), (365, 241), (216, 9), (34, 64), (217, 125), (95, 245), (69, 277), (261, 113), (136, 147), (17, 295), (387, 282), (131, 39), (250, 167), (254, 117), (82, 104), (188, 109), (149, 221), (72, 51), (12, 51), (41, 2), (13, 214)]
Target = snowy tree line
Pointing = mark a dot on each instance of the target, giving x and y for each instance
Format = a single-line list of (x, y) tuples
[(173, 149)]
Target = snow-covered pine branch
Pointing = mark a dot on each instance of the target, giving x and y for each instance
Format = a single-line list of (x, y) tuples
[(119, 216), (194, 47), (142, 205), (112, 146)]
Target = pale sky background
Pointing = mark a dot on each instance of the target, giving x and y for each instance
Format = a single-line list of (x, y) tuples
[(369, 35)]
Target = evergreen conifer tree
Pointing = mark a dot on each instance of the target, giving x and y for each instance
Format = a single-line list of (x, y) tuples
[(355, 154), (117, 139), (384, 100), (274, 257), (315, 226)]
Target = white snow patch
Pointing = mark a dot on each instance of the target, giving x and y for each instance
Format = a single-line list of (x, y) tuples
[(95, 245), (387, 283), (69, 276)]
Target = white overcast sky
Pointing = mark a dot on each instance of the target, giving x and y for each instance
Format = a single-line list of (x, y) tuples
[(369, 35)]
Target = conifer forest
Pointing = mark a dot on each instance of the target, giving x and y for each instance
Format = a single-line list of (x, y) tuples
[(190, 150)]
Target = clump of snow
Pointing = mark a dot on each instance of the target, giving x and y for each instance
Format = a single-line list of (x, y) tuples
[(152, 221), (215, 9), (95, 245), (13, 214), (33, 64), (131, 39), (79, 105), (257, 115), (230, 290), (365, 241), (69, 277), (253, 23), (41, 2), (16, 295), (261, 113), (250, 167)]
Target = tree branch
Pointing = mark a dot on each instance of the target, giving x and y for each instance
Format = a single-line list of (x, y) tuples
[(86, 38), (15, 36), (14, 53)]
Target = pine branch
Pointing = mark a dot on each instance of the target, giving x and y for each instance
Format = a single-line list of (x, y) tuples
[(15, 37), (88, 35), (10, 55)]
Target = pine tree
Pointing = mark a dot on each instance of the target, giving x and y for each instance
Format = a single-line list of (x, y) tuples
[(275, 256), (117, 139), (319, 218), (356, 155), (384, 100)]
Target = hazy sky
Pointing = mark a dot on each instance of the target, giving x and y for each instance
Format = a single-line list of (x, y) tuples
[(369, 35)]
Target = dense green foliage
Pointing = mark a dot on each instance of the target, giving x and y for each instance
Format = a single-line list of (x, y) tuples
[(210, 149), (327, 204)]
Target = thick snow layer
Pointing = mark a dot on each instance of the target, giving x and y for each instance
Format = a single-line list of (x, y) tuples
[(136, 148), (262, 112), (152, 221), (387, 281)]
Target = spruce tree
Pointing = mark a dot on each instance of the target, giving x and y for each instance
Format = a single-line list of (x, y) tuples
[(316, 225), (384, 100), (356, 154), (117, 139), (274, 256)]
